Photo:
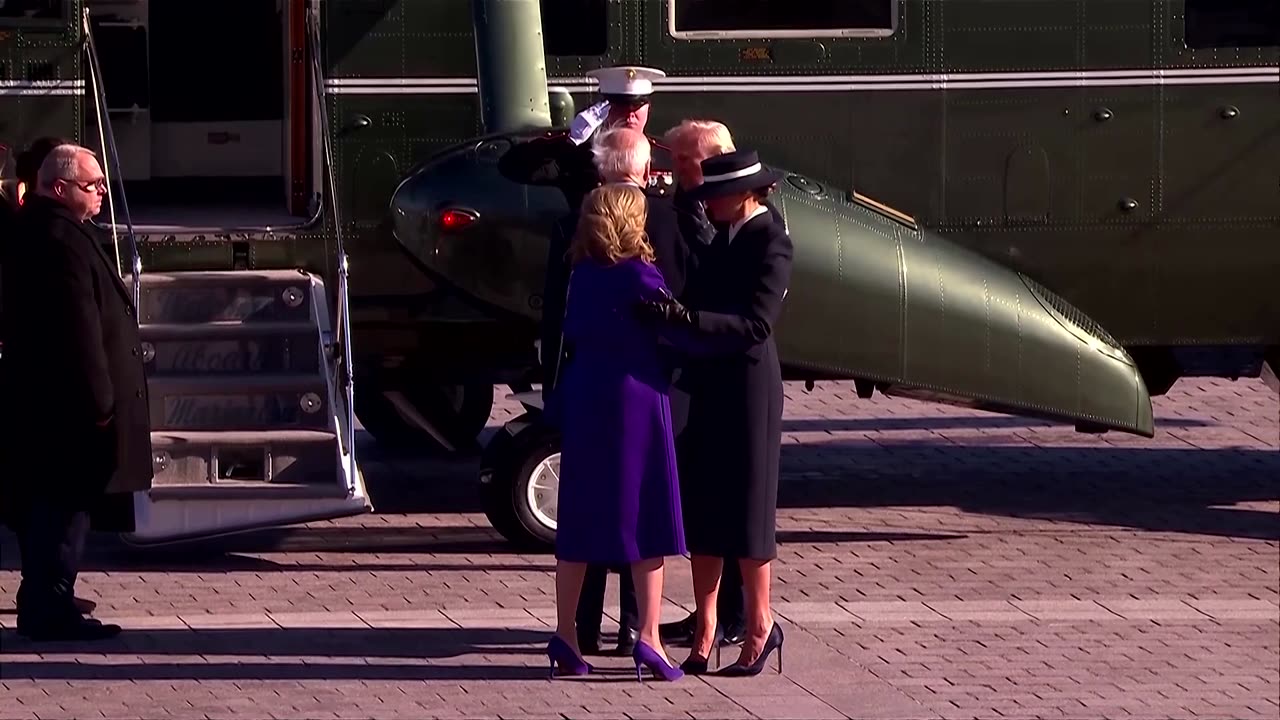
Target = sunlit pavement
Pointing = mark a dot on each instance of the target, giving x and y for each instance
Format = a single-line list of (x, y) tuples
[(935, 562)]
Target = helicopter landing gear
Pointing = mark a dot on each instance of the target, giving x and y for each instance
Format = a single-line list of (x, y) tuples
[(520, 480), (436, 417)]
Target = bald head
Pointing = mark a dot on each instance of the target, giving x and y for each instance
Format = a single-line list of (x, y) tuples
[(71, 175), (622, 155)]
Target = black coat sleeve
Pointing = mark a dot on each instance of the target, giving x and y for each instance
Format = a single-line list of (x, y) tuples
[(554, 294), (534, 162), (669, 246), (553, 161), (694, 225), (755, 323), (70, 303), (775, 214)]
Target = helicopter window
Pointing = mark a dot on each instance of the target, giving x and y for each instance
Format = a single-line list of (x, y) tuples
[(781, 18), (32, 10), (1232, 23), (575, 27)]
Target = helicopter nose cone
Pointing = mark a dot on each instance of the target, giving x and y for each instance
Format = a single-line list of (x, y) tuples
[(471, 227)]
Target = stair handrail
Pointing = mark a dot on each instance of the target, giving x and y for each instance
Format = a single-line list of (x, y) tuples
[(111, 163), (342, 321)]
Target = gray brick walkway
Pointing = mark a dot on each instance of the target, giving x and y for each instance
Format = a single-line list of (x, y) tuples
[(935, 563)]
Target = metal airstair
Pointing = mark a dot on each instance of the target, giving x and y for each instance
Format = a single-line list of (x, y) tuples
[(249, 379)]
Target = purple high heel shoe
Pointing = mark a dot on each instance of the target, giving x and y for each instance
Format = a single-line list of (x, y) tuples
[(559, 653), (646, 656)]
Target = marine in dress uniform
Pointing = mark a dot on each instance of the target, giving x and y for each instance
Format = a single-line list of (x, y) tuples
[(563, 159)]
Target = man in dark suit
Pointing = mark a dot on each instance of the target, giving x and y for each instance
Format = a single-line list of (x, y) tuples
[(76, 431)]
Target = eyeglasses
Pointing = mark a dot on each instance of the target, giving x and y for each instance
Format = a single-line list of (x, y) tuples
[(91, 186)]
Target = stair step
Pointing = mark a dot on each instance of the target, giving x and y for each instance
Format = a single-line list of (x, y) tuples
[(248, 296), (230, 348), (277, 460), (220, 278), (222, 329), (239, 402)]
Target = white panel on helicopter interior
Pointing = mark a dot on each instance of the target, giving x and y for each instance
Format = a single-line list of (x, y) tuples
[(250, 148)]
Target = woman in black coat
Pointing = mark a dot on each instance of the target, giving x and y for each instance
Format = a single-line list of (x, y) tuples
[(730, 451)]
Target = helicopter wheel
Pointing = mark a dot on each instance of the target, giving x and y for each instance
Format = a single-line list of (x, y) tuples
[(458, 413), (519, 482)]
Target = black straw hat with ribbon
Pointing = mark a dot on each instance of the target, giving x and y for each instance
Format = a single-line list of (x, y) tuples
[(733, 172)]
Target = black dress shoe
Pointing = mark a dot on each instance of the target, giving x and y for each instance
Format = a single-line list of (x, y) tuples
[(678, 631), (589, 643), (735, 634), (627, 639), (84, 606), (77, 629)]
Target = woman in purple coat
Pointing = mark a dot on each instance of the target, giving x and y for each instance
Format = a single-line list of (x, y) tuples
[(619, 498)]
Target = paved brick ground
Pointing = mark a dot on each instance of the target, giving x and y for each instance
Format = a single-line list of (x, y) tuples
[(935, 563)]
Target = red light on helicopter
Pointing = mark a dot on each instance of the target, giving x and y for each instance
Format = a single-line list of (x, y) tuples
[(454, 219)]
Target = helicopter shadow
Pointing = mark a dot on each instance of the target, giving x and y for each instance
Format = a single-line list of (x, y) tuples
[(1155, 489)]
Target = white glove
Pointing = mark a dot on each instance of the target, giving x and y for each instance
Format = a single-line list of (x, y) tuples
[(586, 122)]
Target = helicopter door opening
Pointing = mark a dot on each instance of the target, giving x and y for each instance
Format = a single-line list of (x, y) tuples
[(209, 111)]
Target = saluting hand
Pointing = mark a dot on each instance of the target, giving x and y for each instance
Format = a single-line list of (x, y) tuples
[(667, 310)]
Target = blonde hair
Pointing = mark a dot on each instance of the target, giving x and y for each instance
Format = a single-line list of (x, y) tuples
[(611, 226), (706, 138)]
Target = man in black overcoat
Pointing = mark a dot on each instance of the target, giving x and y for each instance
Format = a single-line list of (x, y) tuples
[(76, 432), (27, 170)]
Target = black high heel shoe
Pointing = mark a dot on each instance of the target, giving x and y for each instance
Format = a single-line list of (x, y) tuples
[(774, 641), (698, 665)]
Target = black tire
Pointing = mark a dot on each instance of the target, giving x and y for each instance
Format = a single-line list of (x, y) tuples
[(506, 469), (463, 411), (459, 412), (382, 421)]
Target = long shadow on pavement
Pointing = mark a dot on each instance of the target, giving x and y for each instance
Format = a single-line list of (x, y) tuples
[(224, 554), (289, 646), (1159, 489)]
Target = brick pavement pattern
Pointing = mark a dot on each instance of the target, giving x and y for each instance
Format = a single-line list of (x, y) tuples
[(935, 562)]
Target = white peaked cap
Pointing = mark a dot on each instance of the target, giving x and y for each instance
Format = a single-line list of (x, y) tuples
[(626, 79)]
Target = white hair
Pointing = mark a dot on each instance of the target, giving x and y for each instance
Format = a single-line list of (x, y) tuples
[(703, 138), (620, 153), (62, 163)]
